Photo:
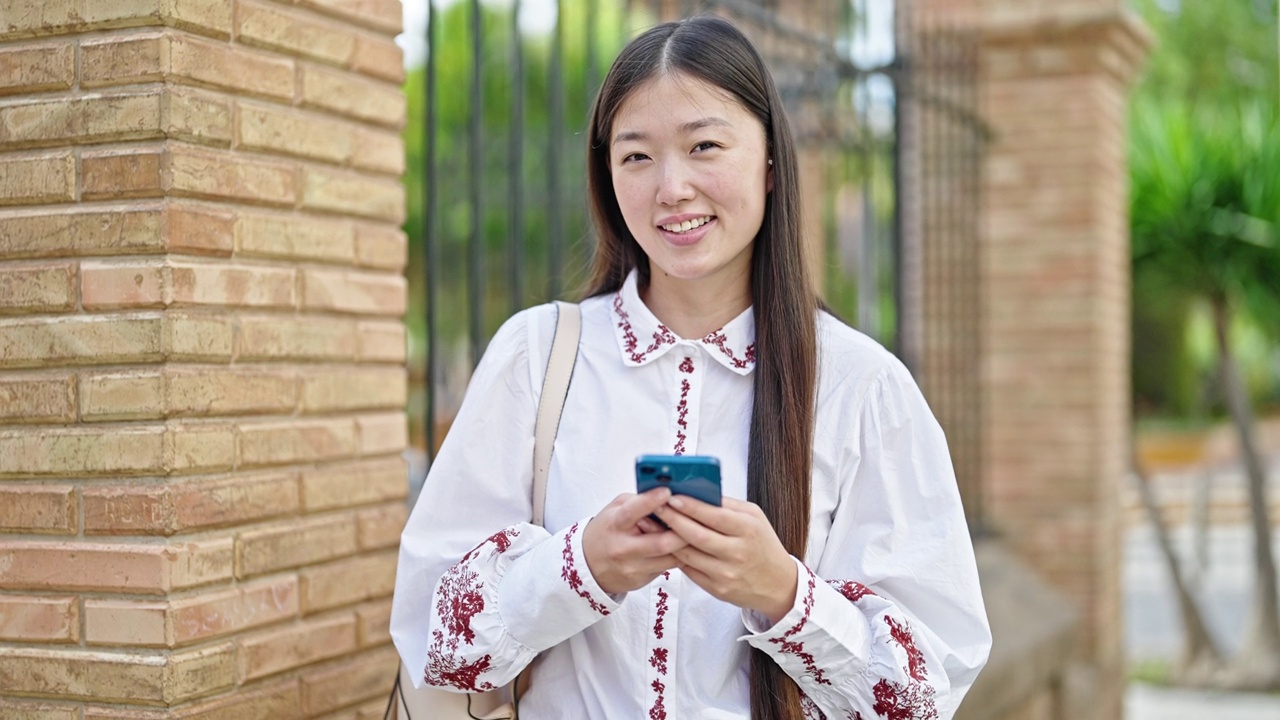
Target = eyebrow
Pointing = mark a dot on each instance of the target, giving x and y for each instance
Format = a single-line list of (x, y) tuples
[(685, 129)]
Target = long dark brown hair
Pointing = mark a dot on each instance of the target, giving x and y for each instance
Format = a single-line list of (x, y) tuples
[(781, 441)]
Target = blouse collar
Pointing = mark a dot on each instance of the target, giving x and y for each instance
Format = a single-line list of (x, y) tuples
[(642, 338)]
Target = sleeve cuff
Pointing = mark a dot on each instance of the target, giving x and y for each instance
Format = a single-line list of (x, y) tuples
[(550, 595), (821, 630)]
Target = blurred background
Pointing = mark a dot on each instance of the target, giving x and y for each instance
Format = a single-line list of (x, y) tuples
[(1063, 216)]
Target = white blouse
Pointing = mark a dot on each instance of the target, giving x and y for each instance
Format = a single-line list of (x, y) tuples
[(888, 620)]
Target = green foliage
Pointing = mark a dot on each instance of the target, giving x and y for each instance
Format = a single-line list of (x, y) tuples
[(1205, 204)]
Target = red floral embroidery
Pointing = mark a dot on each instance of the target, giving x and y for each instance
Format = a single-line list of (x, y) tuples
[(659, 660), (854, 591), (659, 710), (682, 418), (661, 613), (569, 573), (901, 633), (686, 366), (447, 669), (810, 709), (458, 600), (913, 701), (786, 645), (661, 336), (718, 339)]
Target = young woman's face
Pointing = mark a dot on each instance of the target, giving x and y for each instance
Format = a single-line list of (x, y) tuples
[(690, 171)]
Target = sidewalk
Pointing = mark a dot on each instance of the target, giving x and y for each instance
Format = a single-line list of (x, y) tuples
[(1147, 702)]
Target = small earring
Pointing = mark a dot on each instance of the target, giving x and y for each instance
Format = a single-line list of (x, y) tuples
[(770, 161)]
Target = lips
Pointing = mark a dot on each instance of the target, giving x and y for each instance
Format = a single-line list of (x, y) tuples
[(687, 230)]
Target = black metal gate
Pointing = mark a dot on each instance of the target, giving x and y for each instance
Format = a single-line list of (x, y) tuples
[(886, 123)]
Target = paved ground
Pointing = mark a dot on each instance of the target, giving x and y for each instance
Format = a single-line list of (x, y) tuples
[(1220, 558), (1148, 703)]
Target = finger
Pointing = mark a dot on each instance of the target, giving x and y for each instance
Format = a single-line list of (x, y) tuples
[(693, 559), (639, 506), (741, 506), (652, 545), (692, 531), (723, 520), (648, 526)]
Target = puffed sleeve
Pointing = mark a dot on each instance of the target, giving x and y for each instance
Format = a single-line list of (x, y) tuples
[(479, 589), (890, 622)]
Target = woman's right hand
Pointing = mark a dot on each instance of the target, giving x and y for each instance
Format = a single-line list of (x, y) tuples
[(622, 549)]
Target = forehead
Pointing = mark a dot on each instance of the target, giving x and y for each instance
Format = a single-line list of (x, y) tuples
[(668, 101)]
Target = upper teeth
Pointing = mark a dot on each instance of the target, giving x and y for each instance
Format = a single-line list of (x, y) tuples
[(687, 225)]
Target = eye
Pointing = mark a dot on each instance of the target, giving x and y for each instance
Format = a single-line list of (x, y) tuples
[(633, 157), (705, 146)]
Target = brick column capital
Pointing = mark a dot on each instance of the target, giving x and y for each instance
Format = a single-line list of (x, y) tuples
[(1112, 41)]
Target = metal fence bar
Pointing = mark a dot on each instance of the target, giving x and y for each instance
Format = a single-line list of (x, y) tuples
[(555, 149), (515, 175), (475, 171), (431, 240)]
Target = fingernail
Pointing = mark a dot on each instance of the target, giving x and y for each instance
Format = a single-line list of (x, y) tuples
[(675, 502)]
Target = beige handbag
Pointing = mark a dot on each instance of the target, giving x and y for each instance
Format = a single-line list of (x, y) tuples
[(432, 703)]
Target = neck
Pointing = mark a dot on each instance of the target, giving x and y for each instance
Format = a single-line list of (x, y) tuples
[(696, 308)]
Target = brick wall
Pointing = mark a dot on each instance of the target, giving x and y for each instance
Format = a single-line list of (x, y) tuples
[(202, 350), (1054, 268)]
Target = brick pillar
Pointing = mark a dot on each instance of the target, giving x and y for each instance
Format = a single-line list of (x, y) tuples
[(1055, 267), (202, 350)]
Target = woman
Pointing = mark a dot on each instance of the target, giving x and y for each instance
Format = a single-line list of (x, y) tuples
[(837, 579)]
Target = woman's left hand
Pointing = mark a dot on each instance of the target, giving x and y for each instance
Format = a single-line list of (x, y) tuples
[(733, 553)]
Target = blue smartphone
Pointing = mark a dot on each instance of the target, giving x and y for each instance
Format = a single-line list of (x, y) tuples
[(697, 476)]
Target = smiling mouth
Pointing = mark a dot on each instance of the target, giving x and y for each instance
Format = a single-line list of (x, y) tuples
[(687, 225)]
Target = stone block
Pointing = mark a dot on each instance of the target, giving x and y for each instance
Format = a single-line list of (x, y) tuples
[(237, 390), (45, 342), (347, 582), (80, 451), (198, 117), (379, 151), (221, 176), (129, 395), (128, 623), (380, 527), (80, 120), (385, 16), (359, 677), (382, 341), (37, 399), (282, 131), (270, 26), (118, 174), (198, 338), (124, 59), (78, 231), (116, 568), (226, 612), (48, 509), (382, 433), (194, 505), (352, 95), (294, 237), (36, 179), (231, 67), (347, 193), (354, 388), (373, 623), (37, 288), (198, 229), (123, 284), (359, 483), (293, 544), (37, 68), (26, 18), (231, 285), (302, 338), (296, 441), (385, 247), (380, 58), (36, 710), (354, 291), (274, 651), (152, 679), (39, 619), (270, 702)]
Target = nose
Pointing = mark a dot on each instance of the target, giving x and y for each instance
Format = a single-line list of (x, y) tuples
[(674, 186)]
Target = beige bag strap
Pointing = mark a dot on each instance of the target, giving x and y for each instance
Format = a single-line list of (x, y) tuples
[(555, 388)]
